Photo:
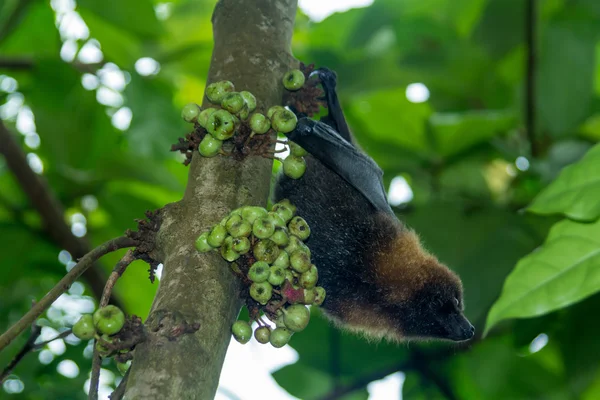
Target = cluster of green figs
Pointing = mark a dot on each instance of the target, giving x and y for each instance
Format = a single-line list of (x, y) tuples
[(281, 277), (231, 109)]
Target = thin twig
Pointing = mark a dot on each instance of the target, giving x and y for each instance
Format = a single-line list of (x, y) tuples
[(35, 333), (45, 201), (116, 273), (96, 366), (530, 29), (30, 347), (62, 286), (120, 390), (61, 335)]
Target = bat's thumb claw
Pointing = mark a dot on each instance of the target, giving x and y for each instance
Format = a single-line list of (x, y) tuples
[(304, 126)]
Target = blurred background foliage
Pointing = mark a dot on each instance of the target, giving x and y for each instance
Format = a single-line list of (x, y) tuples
[(434, 91)]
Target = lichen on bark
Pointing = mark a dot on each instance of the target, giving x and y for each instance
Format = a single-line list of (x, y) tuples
[(253, 50)]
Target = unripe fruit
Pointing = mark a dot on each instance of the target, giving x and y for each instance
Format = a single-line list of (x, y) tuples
[(283, 260), (309, 296), (276, 219), (296, 244), (261, 292), (217, 236), (262, 334), (249, 99), (190, 112), (102, 349), (242, 331), (287, 203), (293, 80), (280, 237), (284, 121), (283, 211), (241, 245), (244, 113), (276, 276), (296, 150), (209, 146), (216, 91), (227, 251), (298, 227), (280, 337), (203, 118), (296, 317), (319, 296), (84, 328), (289, 276), (109, 319), (273, 110), (300, 261), (237, 227), (233, 102), (259, 123), (294, 167), (266, 250), (221, 125), (259, 272), (308, 279), (123, 367), (263, 228), (202, 243), (250, 213)]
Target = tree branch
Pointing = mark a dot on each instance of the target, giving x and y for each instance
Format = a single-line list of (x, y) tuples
[(117, 272), (62, 286), (253, 50), (46, 203), (35, 333), (530, 29)]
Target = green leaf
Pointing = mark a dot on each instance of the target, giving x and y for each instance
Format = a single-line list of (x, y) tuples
[(388, 115), (303, 382), (456, 132), (135, 16), (156, 123), (35, 34), (566, 75), (565, 270), (575, 192)]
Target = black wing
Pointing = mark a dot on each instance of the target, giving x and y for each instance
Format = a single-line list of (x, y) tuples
[(339, 155)]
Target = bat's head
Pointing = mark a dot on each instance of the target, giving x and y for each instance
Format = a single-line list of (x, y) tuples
[(435, 310), (423, 298)]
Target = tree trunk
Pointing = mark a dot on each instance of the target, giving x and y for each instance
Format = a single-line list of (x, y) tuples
[(253, 50)]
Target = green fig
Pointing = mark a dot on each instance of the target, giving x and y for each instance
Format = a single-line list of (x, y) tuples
[(109, 319), (221, 125), (280, 337), (242, 331), (215, 92), (296, 317), (217, 236), (293, 80), (190, 112), (209, 146), (259, 123), (262, 334), (84, 328), (276, 276), (294, 167), (298, 227), (249, 99), (204, 114), (233, 102), (202, 243), (261, 292), (266, 250), (259, 272)]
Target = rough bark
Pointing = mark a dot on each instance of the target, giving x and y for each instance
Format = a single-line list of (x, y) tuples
[(253, 50)]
